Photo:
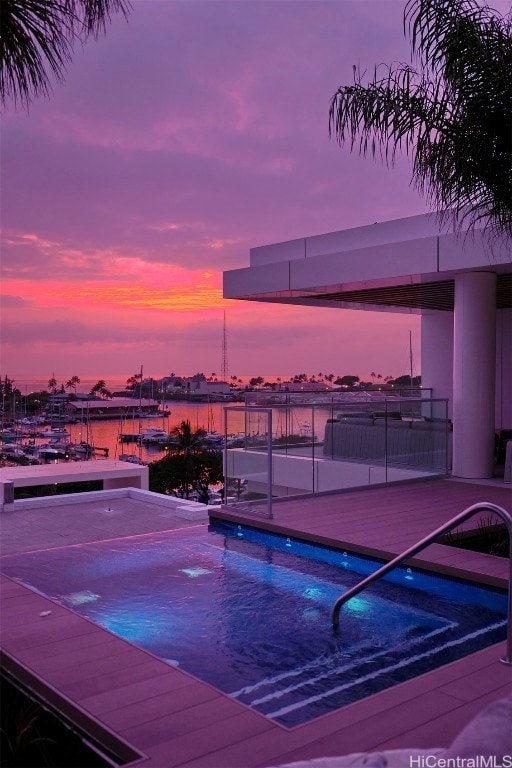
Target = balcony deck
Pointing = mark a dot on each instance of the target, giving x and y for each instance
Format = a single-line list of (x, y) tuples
[(119, 693)]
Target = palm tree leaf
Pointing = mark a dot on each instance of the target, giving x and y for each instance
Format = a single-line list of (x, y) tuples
[(37, 39), (34, 38), (453, 114)]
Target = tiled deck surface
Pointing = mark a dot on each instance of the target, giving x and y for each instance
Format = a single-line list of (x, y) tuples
[(171, 718)]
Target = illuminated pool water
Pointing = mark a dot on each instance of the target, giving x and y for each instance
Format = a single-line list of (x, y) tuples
[(250, 613)]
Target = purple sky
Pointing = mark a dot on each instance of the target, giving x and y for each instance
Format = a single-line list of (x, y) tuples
[(189, 134)]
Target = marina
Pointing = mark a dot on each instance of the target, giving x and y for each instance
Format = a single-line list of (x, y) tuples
[(143, 437), (107, 438)]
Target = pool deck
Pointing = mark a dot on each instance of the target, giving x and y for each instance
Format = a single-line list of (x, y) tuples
[(141, 706)]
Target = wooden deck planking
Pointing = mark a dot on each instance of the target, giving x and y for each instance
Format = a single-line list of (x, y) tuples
[(203, 743), (178, 721), (138, 693), (386, 521)]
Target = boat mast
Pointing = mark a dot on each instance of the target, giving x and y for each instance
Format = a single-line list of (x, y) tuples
[(224, 367), (140, 414)]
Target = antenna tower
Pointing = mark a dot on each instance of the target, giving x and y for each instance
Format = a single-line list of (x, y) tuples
[(224, 368)]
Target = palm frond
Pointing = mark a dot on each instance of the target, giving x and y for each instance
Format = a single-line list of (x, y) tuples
[(94, 15), (34, 37), (37, 39), (452, 115)]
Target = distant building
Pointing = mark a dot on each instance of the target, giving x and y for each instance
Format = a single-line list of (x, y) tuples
[(304, 386), (172, 384), (57, 399), (110, 409), (198, 385)]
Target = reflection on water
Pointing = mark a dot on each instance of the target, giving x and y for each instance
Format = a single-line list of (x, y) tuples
[(105, 434)]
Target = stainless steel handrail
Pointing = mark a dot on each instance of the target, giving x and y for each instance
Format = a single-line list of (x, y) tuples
[(425, 542)]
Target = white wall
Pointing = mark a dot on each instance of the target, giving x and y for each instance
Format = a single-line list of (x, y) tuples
[(437, 361), (437, 355), (300, 474), (504, 369)]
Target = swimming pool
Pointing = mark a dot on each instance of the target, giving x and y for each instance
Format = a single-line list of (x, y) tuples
[(250, 613)]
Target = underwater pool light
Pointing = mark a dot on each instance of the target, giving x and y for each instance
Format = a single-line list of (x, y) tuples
[(79, 598), (358, 605), (194, 573), (313, 593)]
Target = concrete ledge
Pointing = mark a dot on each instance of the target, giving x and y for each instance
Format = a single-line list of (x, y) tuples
[(196, 512), (114, 475), (106, 496)]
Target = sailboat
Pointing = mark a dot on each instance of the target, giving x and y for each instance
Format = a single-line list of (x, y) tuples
[(214, 437), (134, 437)]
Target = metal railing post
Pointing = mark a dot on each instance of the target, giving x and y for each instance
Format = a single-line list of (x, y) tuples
[(269, 464), (425, 542)]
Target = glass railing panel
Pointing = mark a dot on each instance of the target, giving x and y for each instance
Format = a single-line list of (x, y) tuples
[(274, 397), (248, 460), (329, 446), (293, 447), (419, 442)]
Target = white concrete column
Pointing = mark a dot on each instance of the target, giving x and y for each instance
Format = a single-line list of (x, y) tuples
[(474, 358), (437, 356), (504, 369)]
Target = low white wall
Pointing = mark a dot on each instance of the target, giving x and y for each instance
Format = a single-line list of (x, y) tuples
[(112, 474), (299, 474), (107, 496), (139, 481)]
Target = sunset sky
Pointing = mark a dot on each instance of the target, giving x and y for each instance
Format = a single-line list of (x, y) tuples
[(190, 133)]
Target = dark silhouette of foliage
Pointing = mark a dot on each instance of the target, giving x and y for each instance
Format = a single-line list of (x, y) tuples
[(452, 113), (33, 736), (192, 464), (38, 37), (178, 474)]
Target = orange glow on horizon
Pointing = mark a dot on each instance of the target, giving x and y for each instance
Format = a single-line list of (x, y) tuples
[(201, 292)]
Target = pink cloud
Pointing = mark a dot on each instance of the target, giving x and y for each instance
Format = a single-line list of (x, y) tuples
[(179, 141)]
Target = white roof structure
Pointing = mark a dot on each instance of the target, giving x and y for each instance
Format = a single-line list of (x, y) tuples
[(406, 265), (113, 474), (117, 403), (461, 287)]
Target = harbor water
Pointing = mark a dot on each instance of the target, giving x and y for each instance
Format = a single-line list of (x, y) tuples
[(105, 435)]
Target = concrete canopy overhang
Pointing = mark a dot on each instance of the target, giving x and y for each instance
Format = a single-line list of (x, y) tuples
[(406, 265)]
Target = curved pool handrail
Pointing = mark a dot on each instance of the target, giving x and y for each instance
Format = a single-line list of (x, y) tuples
[(425, 542)]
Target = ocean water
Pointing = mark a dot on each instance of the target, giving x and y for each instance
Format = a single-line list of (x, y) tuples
[(209, 416), (105, 434)]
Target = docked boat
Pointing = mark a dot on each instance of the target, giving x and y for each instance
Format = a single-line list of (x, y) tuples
[(215, 438), (55, 449), (154, 436), (58, 432), (12, 451), (83, 450), (30, 421), (131, 458), (50, 454)]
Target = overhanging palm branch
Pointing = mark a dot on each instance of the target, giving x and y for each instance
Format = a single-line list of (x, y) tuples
[(37, 39), (452, 113)]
